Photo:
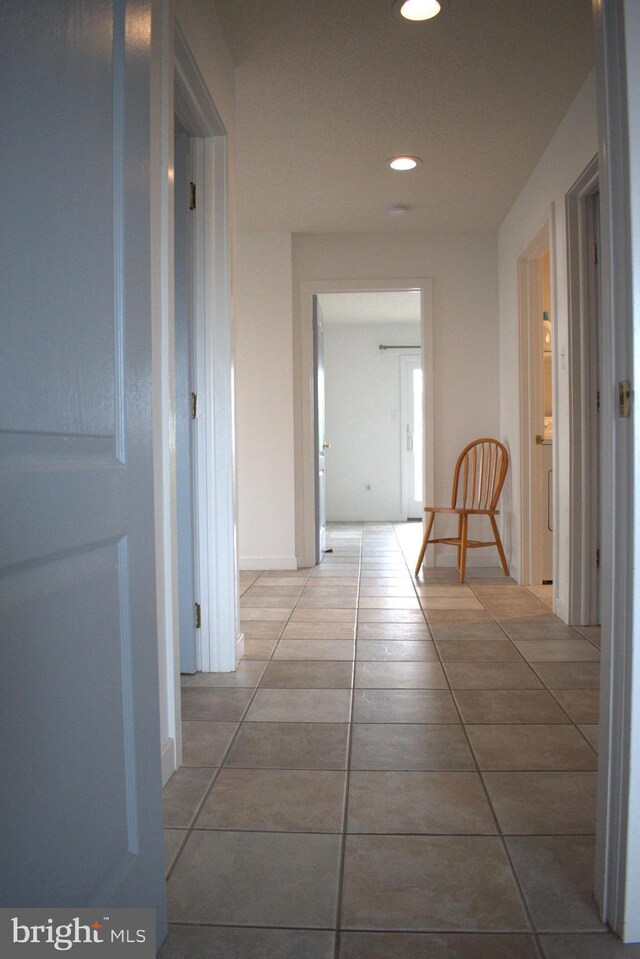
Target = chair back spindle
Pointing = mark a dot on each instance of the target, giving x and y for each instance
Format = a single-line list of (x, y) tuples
[(479, 475)]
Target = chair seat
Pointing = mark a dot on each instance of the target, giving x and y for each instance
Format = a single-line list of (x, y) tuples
[(459, 511)]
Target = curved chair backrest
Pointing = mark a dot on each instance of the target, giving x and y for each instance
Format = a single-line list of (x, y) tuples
[(479, 475)]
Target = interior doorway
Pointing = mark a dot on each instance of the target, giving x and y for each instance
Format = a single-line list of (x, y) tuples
[(368, 377), (585, 319), (185, 399), (537, 411)]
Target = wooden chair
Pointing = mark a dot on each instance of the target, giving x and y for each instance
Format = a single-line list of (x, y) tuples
[(477, 483)]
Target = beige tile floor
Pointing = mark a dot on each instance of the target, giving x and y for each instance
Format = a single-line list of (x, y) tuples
[(400, 768)]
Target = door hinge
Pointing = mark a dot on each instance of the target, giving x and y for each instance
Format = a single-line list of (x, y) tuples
[(595, 253), (598, 400), (598, 558), (198, 616), (539, 440), (192, 196), (194, 405), (624, 398)]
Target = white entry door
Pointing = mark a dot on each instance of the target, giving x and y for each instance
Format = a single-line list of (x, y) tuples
[(320, 439), (412, 437), (79, 703)]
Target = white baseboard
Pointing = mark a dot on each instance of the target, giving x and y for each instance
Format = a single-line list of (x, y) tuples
[(168, 760), (239, 647), (561, 609), (268, 562)]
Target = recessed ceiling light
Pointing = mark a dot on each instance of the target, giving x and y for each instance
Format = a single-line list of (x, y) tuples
[(398, 209), (404, 162), (416, 10)]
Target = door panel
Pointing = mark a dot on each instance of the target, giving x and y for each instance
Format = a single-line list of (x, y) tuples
[(79, 697)]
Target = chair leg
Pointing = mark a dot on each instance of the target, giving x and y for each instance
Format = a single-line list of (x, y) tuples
[(503, 558), (425, 541), (463, 547), (460, 538)]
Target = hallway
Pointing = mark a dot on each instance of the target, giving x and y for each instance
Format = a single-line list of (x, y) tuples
[(410, 762)]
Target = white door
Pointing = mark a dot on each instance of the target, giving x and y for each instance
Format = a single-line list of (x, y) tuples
[(412, 438), (79, 702), (320, 440)]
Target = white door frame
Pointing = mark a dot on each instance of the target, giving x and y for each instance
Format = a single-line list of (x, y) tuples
[(407, 362), (179, 86), (582, 506), (304, 412), (617, 36), (530, 352)]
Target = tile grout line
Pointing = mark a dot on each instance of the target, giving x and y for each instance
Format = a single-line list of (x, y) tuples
[(343, 844)]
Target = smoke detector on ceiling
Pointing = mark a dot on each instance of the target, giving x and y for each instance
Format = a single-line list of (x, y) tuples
[(398, 209)]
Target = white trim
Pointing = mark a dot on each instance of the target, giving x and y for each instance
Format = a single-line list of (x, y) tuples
[(168, 762), (581, 507), (304, 370), (617, 36), (530, 352), (163, 380)]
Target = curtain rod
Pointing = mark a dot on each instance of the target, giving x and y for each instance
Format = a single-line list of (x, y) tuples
[(414, 347)]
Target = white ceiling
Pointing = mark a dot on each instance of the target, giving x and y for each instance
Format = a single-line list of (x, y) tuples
[(380, 307), (327, 90)]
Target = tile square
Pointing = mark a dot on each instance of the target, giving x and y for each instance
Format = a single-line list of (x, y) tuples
[(278, 800), (491, 676), (404, 706), (205, 743), (551, 803), (321, 630), (470, 651), (418, 802), (303, 649), (425, 883), (485, 632), (290, 746), (263, 615), (407, 746), (300, 706), (390, 675), (388, 602), (583, 705), (591, 732), (260, 630), (556, 875), (265, 601), (173, 839), (569, 675), (323, 615), (509, 706), (218, 942), (390, 616), (227, 705), (256, 879), (557, 650), (530, 747), (377, 650), (298, 675), (436, 617), (393, 632), (415, 945), (319, 602)]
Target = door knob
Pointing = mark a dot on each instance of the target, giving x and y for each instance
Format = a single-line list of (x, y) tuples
[(325, 446)]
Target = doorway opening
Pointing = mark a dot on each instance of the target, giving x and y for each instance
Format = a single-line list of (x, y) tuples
[(538, 560), (585, 316), (369, 407)]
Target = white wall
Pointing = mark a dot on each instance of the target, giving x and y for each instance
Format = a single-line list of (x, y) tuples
[(264, 402), (464, 273), (568, 154), (363, 423)]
